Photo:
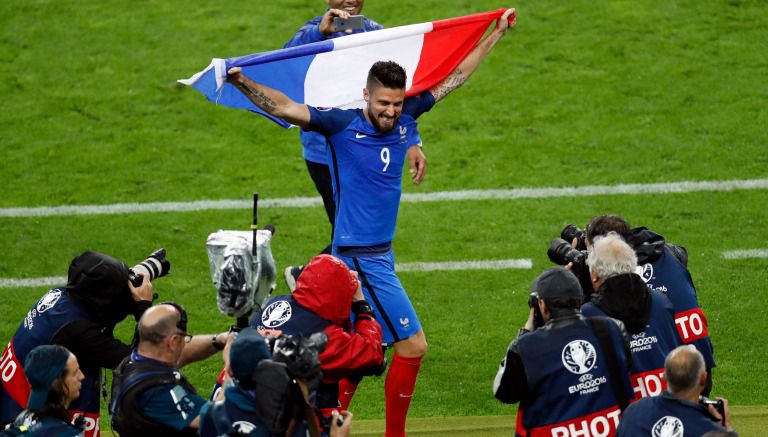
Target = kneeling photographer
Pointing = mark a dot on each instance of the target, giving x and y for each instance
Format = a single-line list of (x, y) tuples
[(150, 395), (269, 387), (326, 294), (100, 292)]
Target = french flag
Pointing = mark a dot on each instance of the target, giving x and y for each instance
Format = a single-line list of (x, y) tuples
[(332, 73)]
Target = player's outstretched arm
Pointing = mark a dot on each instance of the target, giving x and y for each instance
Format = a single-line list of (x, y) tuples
[(270, 100), (470, 63)]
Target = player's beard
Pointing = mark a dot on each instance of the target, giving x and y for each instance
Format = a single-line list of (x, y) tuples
[(375, 121)]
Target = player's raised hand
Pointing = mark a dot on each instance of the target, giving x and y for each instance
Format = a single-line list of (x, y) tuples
[(508, 19), (326, 26)]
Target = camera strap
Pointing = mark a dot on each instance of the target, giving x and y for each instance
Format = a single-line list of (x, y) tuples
[(601, 328), (309, 411)]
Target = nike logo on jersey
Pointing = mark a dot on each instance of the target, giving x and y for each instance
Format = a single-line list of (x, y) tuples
[(359, 135)]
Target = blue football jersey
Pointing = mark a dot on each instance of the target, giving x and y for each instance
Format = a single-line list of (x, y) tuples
[(367, 169)]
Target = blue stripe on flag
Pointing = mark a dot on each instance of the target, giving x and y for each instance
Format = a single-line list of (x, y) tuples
[(283, 70)]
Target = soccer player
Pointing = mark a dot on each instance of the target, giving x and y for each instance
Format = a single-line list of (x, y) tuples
[(366, 153), (314, 144)]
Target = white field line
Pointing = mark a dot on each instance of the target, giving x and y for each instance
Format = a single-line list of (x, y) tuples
[(32, 282), (463, 195), (747, 253), (501, 264)]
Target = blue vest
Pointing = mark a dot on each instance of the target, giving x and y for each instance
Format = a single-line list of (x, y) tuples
[(567, 374), (282, 314), (650, 347), (222, 417), (668, 276), (41, 324), (29, 424), (666, 415)]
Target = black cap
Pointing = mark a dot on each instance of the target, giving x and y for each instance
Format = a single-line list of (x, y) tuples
[(556, 282)]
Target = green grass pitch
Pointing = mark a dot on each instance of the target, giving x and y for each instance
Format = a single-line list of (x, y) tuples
[(580, 93)]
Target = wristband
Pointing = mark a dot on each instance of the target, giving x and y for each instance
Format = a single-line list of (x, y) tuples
[(216, 345), (362, 307)]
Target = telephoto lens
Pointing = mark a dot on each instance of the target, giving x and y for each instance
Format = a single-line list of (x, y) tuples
[(154, 266)]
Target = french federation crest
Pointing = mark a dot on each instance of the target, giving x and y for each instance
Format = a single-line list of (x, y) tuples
[(403, 130), (579, 356), (667, 426), (48, 301), (276, 314)]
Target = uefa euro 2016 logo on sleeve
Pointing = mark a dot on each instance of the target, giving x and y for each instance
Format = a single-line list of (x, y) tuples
[(667, 426), (276, 314), (645, 272), (48, 301)]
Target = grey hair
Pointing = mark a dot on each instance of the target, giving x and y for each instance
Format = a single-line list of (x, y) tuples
[(610, 256)]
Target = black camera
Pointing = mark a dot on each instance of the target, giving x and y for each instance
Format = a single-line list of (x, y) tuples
[(533, 302), (718, 403), (562, 253), (571, 232), (300, 355), (153, 267)]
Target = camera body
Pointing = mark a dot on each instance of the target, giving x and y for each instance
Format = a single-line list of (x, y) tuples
[(718, 403), (533, 302), (155, 266), (571, 232), (299, 354)]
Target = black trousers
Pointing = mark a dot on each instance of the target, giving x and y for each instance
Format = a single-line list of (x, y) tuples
[(321, 176)]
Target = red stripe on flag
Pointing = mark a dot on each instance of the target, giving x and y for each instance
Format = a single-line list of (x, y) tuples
[(444, 48)]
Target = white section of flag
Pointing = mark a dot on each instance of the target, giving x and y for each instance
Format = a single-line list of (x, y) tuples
[(329, 69)]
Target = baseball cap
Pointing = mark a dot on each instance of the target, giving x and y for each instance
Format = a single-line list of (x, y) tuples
[(248, 349), (42, 366), (557, 282)]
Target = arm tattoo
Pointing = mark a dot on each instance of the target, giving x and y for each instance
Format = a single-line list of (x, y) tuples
[(455, 80), (259, 98)]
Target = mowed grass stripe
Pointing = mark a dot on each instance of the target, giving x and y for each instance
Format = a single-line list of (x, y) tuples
[(401, 267), (439, 196)]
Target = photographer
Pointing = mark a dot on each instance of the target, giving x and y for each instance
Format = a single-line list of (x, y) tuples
[(647, 315), (327, 292), (664, 268), (263, 392), (150, 395), (80, 316), (238, 412), (570, 375), (55, 379), (681, 411)]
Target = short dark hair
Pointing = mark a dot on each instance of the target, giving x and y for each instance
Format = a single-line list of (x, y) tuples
[(387, 74), (603, 224)]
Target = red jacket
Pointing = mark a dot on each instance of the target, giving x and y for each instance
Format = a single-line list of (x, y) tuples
[(326, 287)]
